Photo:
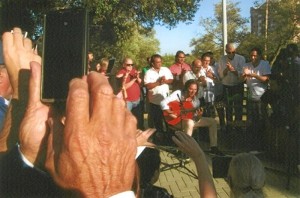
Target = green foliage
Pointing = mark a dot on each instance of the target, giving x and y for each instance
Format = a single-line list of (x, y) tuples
[(212, 40), (283, 29), (117, 27), (138, 47)]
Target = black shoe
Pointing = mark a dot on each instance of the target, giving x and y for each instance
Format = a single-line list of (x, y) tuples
[(215, 151)]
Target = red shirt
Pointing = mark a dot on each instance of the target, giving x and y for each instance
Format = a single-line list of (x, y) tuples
[(134, 91), (177, 69)]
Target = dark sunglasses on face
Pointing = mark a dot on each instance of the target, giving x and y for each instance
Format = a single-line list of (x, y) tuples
[(230, 52)]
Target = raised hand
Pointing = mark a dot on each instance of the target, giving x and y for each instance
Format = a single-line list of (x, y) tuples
[(97, 157), (33, 127), (18, 53), (188, 145), (143, 136)]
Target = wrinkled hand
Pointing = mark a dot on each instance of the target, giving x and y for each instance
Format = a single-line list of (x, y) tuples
[(187, 144), (97, 158), (143, 136), (18, 54), (33, 127)]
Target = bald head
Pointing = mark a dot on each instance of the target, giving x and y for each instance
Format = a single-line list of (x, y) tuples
[(230, 47), (196, 65), (230, 50)]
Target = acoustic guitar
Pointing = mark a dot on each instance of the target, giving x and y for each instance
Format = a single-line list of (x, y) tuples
[(183, 110)]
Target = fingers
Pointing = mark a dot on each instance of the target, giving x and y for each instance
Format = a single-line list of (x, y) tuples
[(27, 44), (7, 39), (49, 164), (18, 37), (143, 136), (130, 125), (34, 83), (102, 97), (118, 114), (77, 106)]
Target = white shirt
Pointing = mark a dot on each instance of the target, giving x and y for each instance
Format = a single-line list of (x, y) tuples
[(177, 96), (256, 87), (238, 63), (158, 93), (209, 90)]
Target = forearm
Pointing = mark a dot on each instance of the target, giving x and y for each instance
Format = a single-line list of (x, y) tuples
[(206, 184), (263, 79), (225, 71), (152, 85), (129, 84), (169, 81), (235, 72)]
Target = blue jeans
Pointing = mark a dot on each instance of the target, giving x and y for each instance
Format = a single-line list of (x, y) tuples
[(132, 104)]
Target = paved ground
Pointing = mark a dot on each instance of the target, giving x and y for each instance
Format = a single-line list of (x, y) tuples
[(181, 181)]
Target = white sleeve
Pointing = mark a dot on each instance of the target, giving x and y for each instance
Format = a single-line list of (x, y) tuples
[(185, 77), (126, 194), (168, 73), (24, 159), (174, 96)]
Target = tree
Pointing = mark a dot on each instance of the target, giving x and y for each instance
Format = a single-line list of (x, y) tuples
[(283, 28), (138, 47), (113, 22), (212, 39)]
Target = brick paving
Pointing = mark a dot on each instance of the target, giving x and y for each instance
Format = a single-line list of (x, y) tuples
[(181, 183)]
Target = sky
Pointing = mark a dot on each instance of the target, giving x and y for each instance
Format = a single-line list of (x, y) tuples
[(179, 38)]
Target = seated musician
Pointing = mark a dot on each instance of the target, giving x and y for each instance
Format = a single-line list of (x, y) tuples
[(181, 109)]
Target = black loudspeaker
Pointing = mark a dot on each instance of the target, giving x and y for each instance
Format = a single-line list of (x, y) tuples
[(220, 166), (65, 42)]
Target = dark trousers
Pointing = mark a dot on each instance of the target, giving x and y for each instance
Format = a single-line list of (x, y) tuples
[(256, 117), (138, 112), (157, 116), (233, 96)]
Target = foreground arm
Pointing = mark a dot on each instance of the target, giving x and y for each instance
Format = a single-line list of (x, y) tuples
[(189, 146)]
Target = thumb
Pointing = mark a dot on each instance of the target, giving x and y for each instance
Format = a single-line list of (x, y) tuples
[(35, 82), (50, 150)]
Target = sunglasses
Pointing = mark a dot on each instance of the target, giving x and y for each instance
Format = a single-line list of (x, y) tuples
[(230, 52), (129, 64)]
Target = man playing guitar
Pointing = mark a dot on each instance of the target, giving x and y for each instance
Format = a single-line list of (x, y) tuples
[(189, 114)]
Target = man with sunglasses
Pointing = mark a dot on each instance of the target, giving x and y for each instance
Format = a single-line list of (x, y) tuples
[(130, 82), (230, 69)]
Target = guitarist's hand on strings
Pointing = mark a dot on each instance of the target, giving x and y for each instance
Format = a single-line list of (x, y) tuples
[(199, 112), (171, 114)]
